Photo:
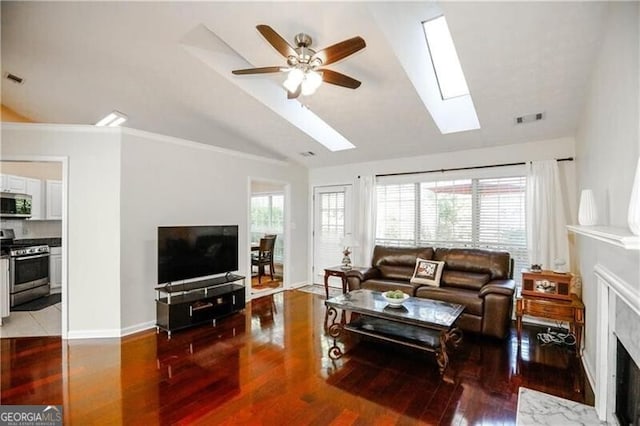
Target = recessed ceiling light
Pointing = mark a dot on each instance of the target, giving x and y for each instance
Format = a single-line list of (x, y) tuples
[(445, 59), (114, 119)]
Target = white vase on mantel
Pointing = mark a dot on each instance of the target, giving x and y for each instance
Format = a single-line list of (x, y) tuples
[(634, 203), (587, 212)]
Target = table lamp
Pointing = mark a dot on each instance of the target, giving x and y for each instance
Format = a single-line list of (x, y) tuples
[(347, 242)]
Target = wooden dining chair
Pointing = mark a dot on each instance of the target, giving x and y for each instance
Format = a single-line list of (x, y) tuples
[(264, 257)]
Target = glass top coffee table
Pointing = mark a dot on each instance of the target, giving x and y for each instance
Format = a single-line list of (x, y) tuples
[(419, 323)]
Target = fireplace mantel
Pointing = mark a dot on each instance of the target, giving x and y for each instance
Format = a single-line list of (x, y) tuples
[(620, 237)]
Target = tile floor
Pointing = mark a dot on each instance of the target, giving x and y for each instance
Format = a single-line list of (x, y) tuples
[(45, 322)]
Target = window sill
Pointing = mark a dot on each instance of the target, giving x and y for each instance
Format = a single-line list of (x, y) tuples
[(620, 237)]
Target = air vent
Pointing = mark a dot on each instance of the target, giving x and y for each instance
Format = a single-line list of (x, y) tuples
[(14, 78), (529, 118), (308, 154)]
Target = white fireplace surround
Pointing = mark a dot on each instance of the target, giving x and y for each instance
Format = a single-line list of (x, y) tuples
[(618, 306)]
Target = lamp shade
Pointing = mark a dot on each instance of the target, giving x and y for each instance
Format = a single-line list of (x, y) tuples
[(587, 212), (349, 241)]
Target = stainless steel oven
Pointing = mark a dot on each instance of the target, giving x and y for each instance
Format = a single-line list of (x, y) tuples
[(28, 269), (28, 273)]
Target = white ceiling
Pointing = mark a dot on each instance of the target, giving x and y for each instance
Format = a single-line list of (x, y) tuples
[(80, 60)]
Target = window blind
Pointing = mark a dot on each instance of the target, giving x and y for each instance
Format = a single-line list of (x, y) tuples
[(474, 212)]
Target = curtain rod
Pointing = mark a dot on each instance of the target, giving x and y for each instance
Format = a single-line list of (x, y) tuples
[(465, 168)]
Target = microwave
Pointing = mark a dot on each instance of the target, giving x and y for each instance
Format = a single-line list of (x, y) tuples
[(15, 205)]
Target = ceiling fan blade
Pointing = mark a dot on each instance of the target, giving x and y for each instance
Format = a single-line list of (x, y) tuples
[(276, 41), (339, 51), (339, 79), (262, 70), (294, 95)]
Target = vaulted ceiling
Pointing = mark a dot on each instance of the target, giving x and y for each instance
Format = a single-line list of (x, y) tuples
[(81, 60)]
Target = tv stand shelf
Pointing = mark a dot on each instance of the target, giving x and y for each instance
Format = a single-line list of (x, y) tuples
[(188, 304)]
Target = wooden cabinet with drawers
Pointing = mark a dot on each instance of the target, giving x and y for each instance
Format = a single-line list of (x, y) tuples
[(571, 311)]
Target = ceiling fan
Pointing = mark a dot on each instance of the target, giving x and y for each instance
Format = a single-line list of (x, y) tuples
[(305, 65)]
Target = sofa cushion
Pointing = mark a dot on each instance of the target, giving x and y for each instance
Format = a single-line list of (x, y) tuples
[(495, 263), (427, 272), (398, 263), (382, 285), (462, 279), (468, 298)]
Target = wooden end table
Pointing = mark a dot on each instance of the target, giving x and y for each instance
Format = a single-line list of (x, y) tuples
[(337, 271), (571, 311)]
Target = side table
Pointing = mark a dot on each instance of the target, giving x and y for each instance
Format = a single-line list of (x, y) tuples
[(571, 311), (337, 271)]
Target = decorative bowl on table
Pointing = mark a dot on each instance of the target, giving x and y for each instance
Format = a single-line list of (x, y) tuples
[(395, 298)]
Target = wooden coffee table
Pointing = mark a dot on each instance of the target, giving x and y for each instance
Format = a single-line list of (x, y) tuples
[(419, 323)]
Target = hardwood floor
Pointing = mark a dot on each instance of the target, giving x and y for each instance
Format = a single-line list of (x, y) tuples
[(270, 366)]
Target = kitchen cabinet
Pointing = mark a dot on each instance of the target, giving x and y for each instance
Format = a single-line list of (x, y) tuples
[(55, 267), (34, 188), (54, 200), (11, 183), (4, 288)]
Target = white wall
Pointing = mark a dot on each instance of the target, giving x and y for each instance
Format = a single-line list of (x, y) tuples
[(607, 149), (540, 150), (122, 184), (93, 240), (168, 182)]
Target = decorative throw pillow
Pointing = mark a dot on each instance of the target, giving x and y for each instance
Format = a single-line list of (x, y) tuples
[(427, 272)]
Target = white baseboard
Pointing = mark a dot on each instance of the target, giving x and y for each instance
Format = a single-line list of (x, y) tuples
[(588, 370), (93, 334), (109, 333), (137, 327), (298, 285)]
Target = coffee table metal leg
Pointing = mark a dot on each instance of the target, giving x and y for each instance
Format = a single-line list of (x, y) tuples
[(334, 330)]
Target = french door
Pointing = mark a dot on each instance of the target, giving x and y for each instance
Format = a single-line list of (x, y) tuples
[(331, 222)]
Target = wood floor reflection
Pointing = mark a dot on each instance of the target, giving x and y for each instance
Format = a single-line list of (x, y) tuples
[(270, 366)]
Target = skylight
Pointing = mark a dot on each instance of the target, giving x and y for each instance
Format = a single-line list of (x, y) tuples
[(445, 59)]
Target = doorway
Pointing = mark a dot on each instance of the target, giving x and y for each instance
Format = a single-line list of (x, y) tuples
[(331, 223), (268, 236), (43, 180)]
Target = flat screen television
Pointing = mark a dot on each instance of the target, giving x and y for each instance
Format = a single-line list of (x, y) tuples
[(186, 252)]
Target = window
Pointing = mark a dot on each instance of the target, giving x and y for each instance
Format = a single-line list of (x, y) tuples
[(267, 217), (477, 213)]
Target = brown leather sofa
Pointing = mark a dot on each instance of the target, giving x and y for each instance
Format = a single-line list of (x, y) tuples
[(481, 280)]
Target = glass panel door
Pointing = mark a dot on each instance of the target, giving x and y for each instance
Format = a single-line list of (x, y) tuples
[(332, 221)]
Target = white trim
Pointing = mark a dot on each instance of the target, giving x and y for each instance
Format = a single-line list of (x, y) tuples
[(610, 288), (60, 127), (602, 345), (623, 290), (141, 133), (620, 237), (588, 369), (137, 327), (64, 288), (94, 334), (298, 285)]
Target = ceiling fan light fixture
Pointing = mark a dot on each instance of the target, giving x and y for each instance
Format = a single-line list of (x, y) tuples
[(311, 82), (296, 76)]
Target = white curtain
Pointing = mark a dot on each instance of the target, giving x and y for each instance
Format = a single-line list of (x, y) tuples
[(366, 220), (547, 237)]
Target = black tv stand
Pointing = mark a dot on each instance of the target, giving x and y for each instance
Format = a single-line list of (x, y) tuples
[(188, 304)]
